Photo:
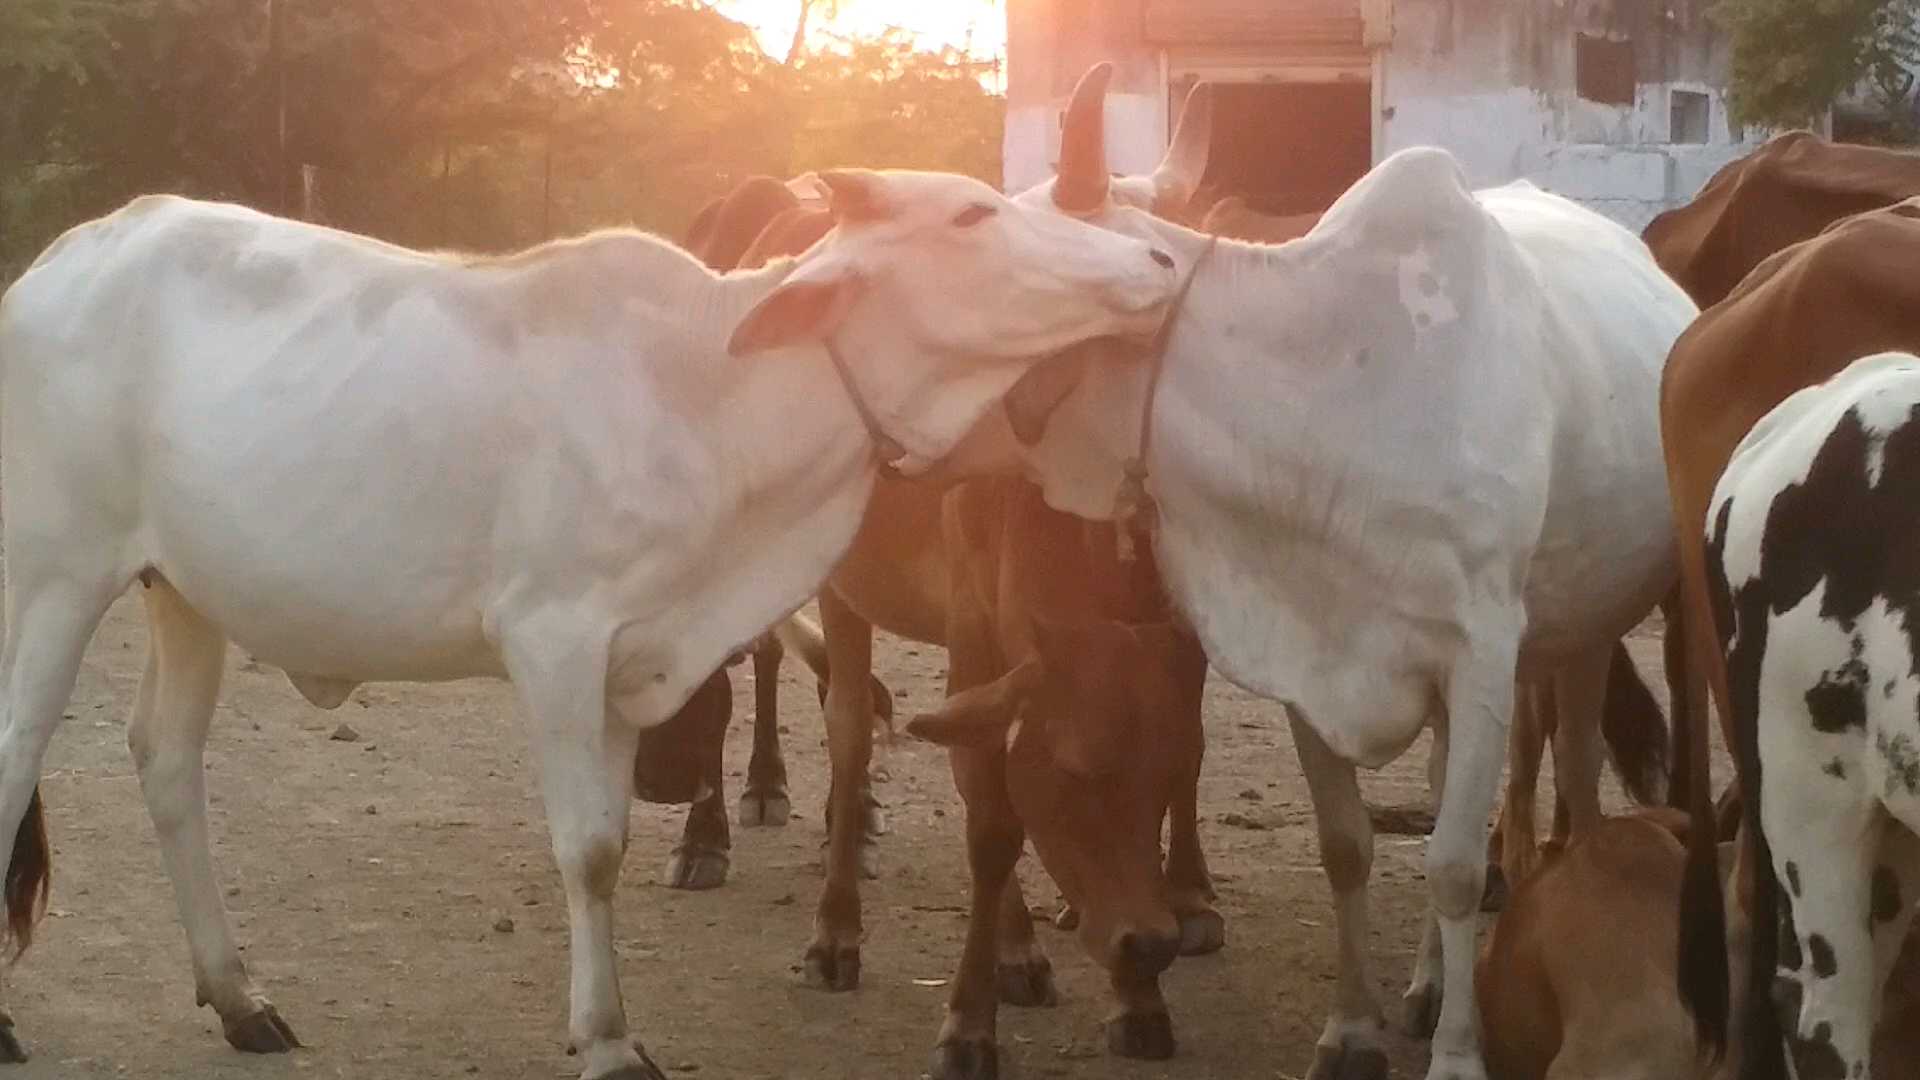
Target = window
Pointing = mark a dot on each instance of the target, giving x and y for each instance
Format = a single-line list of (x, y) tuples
[(1603, 69), (1687, 116)]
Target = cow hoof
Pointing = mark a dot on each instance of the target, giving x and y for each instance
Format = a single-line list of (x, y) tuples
[(1028, 984), (1067, 918), (833, 967), (876, 819), (1144, 1036), (696, 868), (970, 1059), (262, 1032), (1202, 932), (1348, 1063), (1456, 1067), (1494, 897), (764, 809), (1420, 1012), (11, 1051), (646, 1070)]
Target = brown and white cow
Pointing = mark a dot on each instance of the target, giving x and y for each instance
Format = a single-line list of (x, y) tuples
[(1794, 318)]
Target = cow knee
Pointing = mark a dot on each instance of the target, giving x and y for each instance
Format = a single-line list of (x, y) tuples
[(593, 863), (1455, 884), (1347, 860)]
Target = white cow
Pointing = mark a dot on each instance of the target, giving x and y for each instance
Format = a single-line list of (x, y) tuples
[(593, 468), (1397, 463), (1811, 551)]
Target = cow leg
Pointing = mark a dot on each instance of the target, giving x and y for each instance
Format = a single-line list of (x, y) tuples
[(967, 1049), (1190, 885), (1825, 838), (50, 618), (584, 745), (1525, 744), (833, 958), (1479, 712), (701, 860), (1353, 1044), (1579, 695), (704, 854), (1420, 1005), (765, 802), (168, 736), (1024, 974)]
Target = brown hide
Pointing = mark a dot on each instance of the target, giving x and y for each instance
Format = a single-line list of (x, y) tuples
[(1785, 192), (1577, 975), (1092, 772), (1801, 316), (1231, 217), (793, 231), (722, 236)]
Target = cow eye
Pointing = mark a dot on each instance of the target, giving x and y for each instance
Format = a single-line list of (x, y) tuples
[(973, 215)]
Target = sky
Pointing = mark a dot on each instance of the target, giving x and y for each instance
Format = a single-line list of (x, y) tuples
[(935, 22)]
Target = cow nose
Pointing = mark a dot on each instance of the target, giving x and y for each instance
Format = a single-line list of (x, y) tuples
[(1162, 258), (1148, 954)]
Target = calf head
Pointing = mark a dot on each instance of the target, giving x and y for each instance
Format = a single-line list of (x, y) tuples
[(1099, 729), (939, 293)]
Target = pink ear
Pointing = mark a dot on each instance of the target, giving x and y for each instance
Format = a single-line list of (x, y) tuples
[(800, 312)]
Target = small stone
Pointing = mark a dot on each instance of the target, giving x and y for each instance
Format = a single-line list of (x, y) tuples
[(1242, 821), (233, 891), (783, 901), (372, 810), (345, 733), (1252, 796), (473, 1068), (503, 925)]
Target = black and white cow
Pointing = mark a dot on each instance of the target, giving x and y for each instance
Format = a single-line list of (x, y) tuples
[(1813, 555)]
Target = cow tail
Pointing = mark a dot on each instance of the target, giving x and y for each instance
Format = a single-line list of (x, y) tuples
[(1635, 730), (1701, 969), (29, 876)]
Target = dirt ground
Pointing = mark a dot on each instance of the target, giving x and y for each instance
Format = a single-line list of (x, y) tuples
[(369, 881)]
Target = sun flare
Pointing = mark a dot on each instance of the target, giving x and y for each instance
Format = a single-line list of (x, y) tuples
[(978, 26)]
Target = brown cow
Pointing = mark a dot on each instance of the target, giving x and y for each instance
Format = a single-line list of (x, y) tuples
[(1050, 628), (1232, 217), (1562, 999), (1799, 317)]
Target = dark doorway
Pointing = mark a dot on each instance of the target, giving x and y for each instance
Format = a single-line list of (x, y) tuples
[(1290, 147)]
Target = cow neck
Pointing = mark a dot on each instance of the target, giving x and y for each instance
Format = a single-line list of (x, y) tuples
[(887, 451), (1133, 507)]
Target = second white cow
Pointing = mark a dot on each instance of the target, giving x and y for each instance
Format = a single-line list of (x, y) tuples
[(1397, 463)]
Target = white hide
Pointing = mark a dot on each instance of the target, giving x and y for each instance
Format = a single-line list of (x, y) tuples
[(1433, 417)]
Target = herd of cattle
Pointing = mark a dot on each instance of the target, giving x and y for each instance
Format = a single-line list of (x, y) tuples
[(1416, 462)]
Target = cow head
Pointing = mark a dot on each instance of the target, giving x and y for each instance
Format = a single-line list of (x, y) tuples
[(939, 293), (1073, 422), (1100, 730)]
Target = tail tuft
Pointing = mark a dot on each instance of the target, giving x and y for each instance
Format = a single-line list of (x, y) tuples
[(1635, 730), (29, 877)]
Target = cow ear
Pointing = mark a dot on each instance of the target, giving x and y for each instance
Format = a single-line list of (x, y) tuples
[(983, 714), (1032, 401), (804, 310)]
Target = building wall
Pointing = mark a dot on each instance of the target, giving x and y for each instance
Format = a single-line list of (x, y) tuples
[(1493, 81), (1496, 83)]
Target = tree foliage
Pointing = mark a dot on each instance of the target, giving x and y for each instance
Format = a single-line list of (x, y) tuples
[(480, 124), (1792, 59)]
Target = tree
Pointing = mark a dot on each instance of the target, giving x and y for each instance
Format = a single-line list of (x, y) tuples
[(1793, 59)]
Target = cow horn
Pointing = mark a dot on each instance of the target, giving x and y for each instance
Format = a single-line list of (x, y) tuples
[(1178, 176), (1082, 177)]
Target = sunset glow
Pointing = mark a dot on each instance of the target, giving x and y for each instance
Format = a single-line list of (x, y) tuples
[(976, 25)]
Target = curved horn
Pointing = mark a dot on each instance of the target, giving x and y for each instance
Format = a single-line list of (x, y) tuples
[(1178, 175), (1081, 181)]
